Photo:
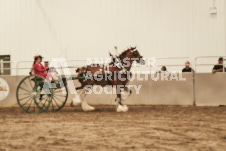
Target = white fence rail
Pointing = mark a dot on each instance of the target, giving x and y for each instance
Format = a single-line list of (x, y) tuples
[(207, 61), (23, 67)]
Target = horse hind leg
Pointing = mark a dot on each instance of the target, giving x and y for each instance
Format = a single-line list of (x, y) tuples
[(77, 99), (85, 106)]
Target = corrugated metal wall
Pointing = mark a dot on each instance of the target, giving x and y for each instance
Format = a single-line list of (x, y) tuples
[(77, 29)]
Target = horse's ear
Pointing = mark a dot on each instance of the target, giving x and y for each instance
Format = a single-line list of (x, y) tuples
[(135, 53), (133, 48)]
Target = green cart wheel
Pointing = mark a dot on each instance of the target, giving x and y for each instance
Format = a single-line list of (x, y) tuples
[(52, 99), (26, 93)]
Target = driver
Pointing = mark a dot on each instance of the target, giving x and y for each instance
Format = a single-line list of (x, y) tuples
[(39, 69)]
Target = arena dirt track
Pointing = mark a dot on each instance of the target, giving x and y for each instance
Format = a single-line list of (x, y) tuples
[(142, 128)]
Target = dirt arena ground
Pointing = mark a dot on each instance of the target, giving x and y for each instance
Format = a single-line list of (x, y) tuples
[(142, 128)]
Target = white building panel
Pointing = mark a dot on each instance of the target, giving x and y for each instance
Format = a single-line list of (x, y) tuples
[(77, 29)]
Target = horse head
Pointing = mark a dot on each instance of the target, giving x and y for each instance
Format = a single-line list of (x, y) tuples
[(136, 56), (133, 54)]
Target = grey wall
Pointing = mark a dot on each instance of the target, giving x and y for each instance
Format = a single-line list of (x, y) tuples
[(209, 90)]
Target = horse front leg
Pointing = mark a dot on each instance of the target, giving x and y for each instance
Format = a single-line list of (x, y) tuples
[(77, 98), (121, 107), (85, 105), (119, 99)]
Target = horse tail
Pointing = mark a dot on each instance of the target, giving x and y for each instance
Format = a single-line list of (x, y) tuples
[(77, 70)]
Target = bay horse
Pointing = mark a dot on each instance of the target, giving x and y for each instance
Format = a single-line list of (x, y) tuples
[(112, 74)]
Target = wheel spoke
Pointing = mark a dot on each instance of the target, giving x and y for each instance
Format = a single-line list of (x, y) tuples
[(25, 97), (56, 102), (24, 89), (44, 104), (34, 107), (27, 101), (60, 95), (31, 100), (27, 85), (48, 102), (57, 99), (30, 82), (52, 106), (24, 93), (29, 105)]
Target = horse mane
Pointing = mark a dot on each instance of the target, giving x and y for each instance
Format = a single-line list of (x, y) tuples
[(125, 52)]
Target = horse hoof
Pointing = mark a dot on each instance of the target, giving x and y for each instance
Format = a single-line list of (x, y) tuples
[(89, 109), (126, 108), (122, 108)]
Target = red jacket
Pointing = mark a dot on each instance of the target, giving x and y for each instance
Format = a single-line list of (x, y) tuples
[(39, 69)]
